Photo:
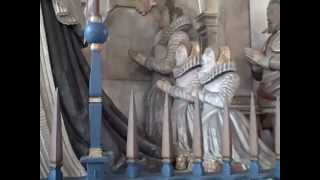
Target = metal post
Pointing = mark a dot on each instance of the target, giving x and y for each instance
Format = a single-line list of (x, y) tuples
[(95, 34)]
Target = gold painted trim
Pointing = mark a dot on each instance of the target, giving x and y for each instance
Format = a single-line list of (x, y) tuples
[(95, 19), (95, 152), (95, 46), (198, 160), (95, 99), (131, 160), (253, 158), (166, 160), (226, 158)]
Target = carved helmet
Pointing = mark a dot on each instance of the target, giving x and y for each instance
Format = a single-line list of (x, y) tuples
[(181, 23)]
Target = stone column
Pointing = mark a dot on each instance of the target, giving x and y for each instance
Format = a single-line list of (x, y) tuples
[(207, 23)]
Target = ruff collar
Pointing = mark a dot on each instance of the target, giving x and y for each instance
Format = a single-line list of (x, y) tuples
[(186, 67), (217, 70)]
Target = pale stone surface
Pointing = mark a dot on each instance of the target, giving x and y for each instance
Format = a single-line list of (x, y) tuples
[(237, 36), (119, 92), (125, 27), (235, 17), (258, 22)]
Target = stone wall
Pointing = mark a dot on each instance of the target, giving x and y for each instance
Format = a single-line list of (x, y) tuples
[(129, 29)]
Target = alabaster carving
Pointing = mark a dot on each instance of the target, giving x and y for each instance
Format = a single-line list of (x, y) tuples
[(218, 82), (161, 64)]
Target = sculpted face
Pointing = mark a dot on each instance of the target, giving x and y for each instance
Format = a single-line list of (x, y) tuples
[(181, 55), (273, 15), (208, 57)]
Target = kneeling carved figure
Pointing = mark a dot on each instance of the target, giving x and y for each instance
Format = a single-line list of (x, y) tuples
[(218, 82)]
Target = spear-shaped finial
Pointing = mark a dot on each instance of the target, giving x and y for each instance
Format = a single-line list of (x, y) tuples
[(253, 129), (132, 144), (277, 139), (197, 132), (197, 143), (56, 142), (254, 166), (277, 128), (132, 148), (166, 153), (226, 139), (226, 142)]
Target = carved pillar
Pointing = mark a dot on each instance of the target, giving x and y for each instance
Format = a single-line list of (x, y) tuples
[(208, 23)]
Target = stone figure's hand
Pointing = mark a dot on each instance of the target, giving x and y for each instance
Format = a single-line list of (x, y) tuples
[(256, 57), (144, 6), (164, 85), (137, 57)]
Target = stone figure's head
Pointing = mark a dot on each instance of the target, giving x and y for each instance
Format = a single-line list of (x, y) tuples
[(208, 58), (181, 23), (273, 16), (182, 53)]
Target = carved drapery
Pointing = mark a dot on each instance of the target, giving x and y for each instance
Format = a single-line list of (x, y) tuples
[(71, 165)]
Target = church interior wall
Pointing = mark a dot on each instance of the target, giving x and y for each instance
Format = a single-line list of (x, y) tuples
[(129, 29)]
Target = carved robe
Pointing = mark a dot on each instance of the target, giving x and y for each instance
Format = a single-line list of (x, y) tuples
[(219, 86), (162, 64), (269, 86), (182, 112)]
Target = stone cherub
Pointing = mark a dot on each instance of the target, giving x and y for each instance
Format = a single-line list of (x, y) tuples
[(161, 63), (214, 83)]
